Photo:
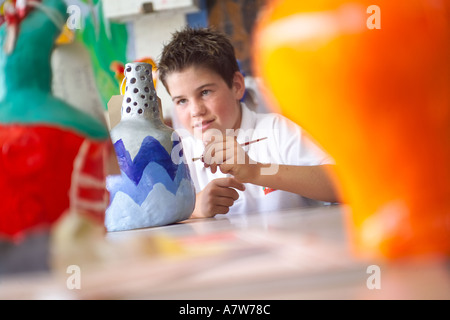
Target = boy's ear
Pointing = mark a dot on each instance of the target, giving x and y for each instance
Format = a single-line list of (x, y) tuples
[(238, 85)]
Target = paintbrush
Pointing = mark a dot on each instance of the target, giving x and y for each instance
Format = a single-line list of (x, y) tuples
[(242, 145)]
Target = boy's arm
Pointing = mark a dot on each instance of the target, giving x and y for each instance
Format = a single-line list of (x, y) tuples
[(313, 182)]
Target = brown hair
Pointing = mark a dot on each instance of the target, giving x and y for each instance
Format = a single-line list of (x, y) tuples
[(201, 47)]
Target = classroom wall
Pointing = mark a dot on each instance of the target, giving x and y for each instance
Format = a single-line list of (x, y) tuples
[(233, 17), (151, 31)]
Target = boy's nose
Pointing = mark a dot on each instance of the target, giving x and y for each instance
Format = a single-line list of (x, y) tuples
[(198, 109)]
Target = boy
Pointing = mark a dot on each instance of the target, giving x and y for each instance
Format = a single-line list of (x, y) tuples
[(198, 68)]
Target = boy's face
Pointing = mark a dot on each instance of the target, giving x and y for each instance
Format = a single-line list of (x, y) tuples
[(203, 100)]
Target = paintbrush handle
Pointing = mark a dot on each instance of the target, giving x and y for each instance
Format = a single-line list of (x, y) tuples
[(242, 145), (253, 141)]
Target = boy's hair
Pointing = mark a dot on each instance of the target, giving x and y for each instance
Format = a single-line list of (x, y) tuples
[(201, 47)]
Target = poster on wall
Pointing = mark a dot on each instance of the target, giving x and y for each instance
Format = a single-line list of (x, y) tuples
[(236, 18)]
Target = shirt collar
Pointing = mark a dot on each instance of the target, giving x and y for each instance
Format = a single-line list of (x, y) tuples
[(248, 122)]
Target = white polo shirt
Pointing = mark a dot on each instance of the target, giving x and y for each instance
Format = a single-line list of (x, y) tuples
[(286, 143)]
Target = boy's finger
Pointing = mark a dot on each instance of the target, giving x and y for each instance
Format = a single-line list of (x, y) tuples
[(220, 142), (221, 210), (226, 168), (211, 135), (213, 154), (208, 154), (230, 193), (230, 183), (212, 166), (224, 192), (207, 141), (218, 155), (224, 201)]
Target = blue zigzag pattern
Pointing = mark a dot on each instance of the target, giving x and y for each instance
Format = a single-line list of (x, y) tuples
[(151, 151), (151, 165)]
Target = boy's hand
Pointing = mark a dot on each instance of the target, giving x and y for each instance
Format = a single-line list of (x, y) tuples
[(217, 197), (230, 157)]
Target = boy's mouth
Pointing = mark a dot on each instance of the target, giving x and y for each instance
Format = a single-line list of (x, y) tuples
[(203, 125)]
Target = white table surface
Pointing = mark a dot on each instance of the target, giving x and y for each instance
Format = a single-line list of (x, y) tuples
[(293, 254)]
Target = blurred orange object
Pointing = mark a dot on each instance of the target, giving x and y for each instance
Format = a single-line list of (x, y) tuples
[(378, 100), (67, 36)]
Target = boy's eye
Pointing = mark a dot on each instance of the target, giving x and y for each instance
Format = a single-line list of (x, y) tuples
[(205, 92), (181, 101)]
